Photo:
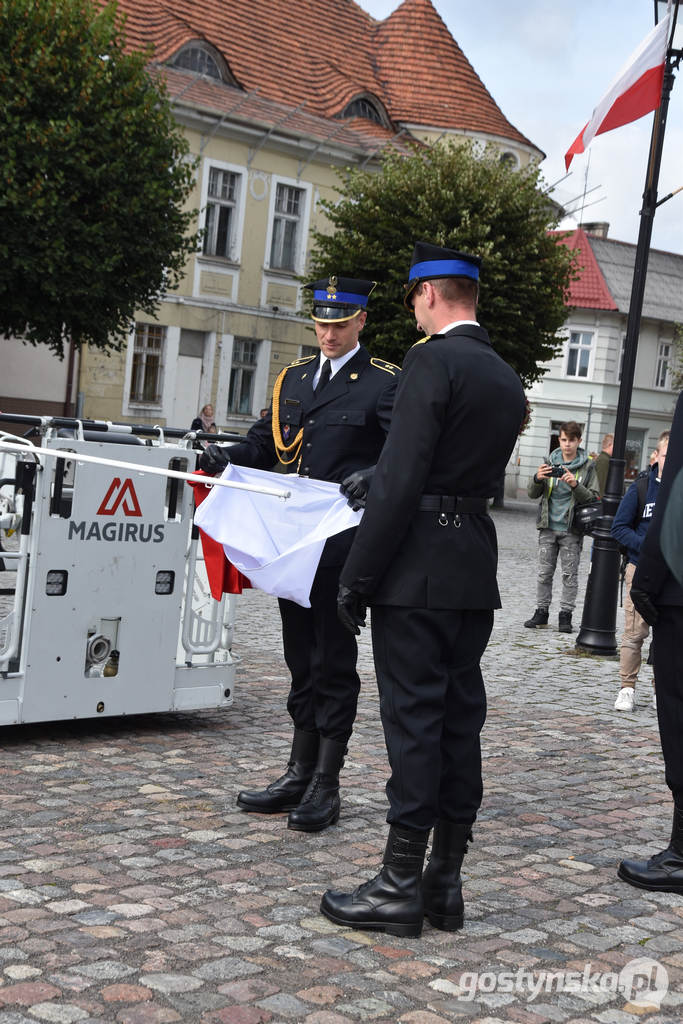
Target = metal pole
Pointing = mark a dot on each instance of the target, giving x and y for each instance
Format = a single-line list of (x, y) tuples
[(598, 624)]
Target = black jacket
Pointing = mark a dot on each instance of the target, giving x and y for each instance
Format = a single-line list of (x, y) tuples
[(343, 428), (663, 544), (456, 419)]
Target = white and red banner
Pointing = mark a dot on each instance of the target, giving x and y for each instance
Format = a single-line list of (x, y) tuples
[(635, 91), (276, 544)]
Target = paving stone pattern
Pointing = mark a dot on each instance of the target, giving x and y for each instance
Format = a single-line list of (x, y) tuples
[(132, 890)]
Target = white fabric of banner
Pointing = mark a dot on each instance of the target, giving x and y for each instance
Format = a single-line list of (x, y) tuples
[(276, 543)]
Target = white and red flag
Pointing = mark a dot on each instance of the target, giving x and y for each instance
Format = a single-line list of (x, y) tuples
[(635, 91)]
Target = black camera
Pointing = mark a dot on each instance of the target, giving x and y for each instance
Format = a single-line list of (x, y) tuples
[(556, 471)]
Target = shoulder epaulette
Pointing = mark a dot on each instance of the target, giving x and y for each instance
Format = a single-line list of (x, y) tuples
[(382, 364), (421, 341), (300, 362)]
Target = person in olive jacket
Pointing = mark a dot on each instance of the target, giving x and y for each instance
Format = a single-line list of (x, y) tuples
[(563, 481), (328, 420), (425, 557)]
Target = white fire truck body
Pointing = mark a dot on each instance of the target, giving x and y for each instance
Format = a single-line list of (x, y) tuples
[(111, 613)]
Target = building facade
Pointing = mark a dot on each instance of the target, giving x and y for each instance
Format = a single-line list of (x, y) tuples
[(276, 100), (582, 381)]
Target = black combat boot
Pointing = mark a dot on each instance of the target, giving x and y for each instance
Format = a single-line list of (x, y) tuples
[(319, 806), (441, 885), (664, 871), (565, 622), (285, 792), (391, 901), (539, 618)]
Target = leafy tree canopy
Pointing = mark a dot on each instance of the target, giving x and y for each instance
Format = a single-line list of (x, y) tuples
[(94, 178), (453, 196)]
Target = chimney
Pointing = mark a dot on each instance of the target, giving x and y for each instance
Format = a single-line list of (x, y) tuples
[(598, 228)]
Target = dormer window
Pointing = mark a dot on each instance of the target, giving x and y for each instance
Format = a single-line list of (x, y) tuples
[(365, 108), (202, 59)]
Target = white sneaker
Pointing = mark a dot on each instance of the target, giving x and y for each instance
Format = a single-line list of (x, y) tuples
[(626, 699), (654, 700)]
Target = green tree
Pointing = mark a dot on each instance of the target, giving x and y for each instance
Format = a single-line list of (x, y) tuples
[(94, 178), (453, 196)]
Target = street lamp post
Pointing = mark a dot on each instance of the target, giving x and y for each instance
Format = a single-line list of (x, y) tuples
[(597, 634)]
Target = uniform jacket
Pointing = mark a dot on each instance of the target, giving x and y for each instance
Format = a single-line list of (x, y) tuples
[(457, 415), (653, 573), (344, 427), (586, 490)]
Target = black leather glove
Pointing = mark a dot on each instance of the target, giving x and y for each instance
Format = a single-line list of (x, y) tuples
[(351, 609), (356, 485), (642, 602), (214, 459)]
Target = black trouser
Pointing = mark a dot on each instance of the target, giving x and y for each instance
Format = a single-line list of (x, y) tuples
[(668, 664), (433, 707), (321, 656)]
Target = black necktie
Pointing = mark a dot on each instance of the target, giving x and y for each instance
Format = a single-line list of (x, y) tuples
[(324, 377)]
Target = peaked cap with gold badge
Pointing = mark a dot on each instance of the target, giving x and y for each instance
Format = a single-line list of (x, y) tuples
[(339, 298)]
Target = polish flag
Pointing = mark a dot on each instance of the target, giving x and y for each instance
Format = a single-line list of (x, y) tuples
[(634, 92)]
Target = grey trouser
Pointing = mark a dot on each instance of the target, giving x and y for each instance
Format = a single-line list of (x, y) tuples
[(568, 546)]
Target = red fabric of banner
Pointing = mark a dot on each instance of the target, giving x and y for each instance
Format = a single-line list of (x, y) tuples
[(223, 577)]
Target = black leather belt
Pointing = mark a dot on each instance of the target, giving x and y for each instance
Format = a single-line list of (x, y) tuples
[(451, 505)]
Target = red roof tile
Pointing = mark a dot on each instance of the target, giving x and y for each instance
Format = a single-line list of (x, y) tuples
[(254, 110), (589, 290), (428, 79), (324, 53)]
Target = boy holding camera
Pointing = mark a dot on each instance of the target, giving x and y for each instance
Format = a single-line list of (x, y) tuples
[(566, 479)]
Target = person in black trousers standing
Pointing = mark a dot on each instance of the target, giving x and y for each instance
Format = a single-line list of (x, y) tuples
[(425, 558), (657, 594), (328, 419)]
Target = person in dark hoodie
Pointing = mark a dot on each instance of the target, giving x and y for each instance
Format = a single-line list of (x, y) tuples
[(629, 528), (566, 479)]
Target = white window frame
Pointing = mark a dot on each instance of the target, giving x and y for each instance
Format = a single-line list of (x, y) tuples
[(620, 357), (580, 347), (144, 329), (664, 361), (236, 229), (303, 223), (241, 366)]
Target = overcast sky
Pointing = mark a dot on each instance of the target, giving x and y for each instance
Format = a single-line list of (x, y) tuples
[(547, 63)]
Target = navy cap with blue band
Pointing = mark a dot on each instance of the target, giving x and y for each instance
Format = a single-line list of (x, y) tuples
[(430, 262)]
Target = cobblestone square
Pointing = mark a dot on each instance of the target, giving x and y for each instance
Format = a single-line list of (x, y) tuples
[(133, 890)]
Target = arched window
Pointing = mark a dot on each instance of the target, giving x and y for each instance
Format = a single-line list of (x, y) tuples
[(363, 108), (511, 159), (203, 59)]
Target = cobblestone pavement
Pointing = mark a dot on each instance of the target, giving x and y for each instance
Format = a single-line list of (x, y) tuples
[(133, 890)]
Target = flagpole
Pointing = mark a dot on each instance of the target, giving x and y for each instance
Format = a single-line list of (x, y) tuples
[(597, 634)]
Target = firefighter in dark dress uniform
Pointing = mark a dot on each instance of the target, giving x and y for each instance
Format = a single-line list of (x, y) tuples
[(328, 419), (425, 557), (657, 593)]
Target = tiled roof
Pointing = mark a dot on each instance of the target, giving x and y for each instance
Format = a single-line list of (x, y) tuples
[(607, 276), (324, 53), (663, 299), (254, 110), (427, 78), (589, 290)]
